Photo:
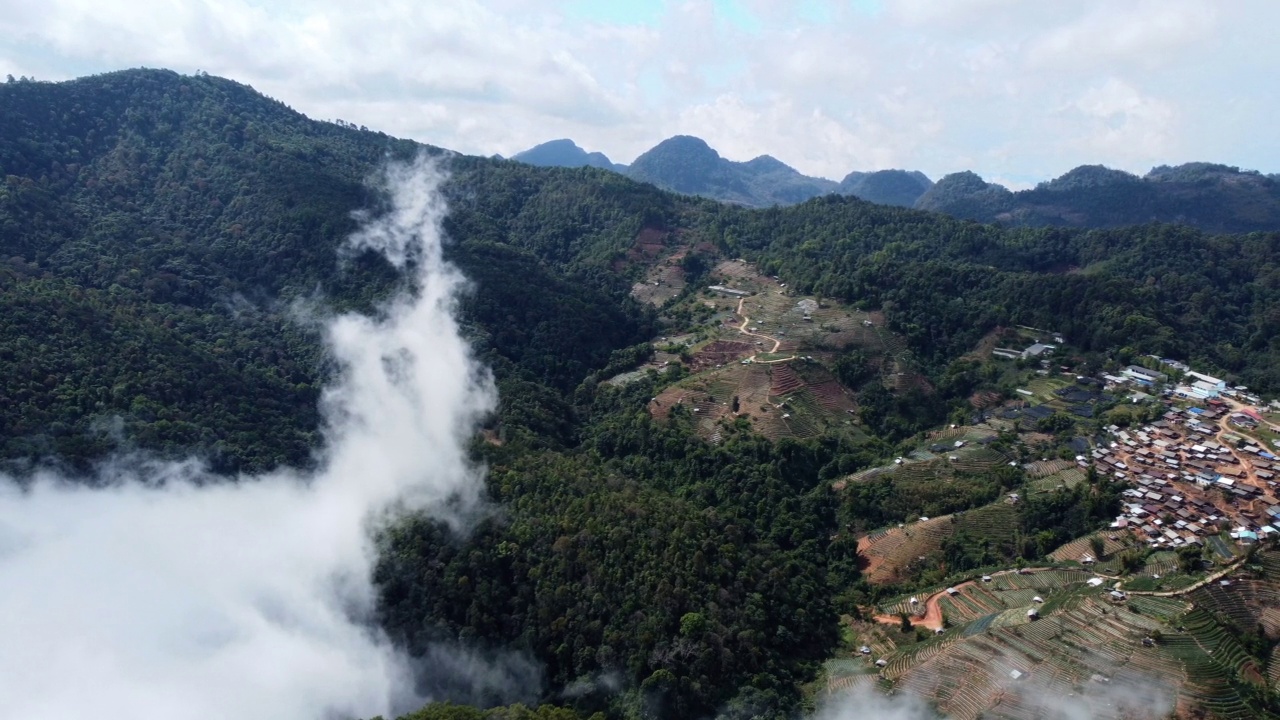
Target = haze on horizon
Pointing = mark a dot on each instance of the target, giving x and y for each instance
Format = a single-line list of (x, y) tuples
[(1016, 91)]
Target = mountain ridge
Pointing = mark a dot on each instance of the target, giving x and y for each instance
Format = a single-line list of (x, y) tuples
[(1216, 197)]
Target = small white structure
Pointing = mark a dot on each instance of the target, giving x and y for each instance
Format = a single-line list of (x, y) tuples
[(1015, 674), (1095, 582), (952, 591), (1037, 599), (986, 578), (1033, 614)]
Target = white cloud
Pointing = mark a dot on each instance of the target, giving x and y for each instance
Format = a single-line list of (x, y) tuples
[(1125, 125), (1142, 33), (168, 594)]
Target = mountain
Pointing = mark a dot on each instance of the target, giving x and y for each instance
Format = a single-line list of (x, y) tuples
[(687, 165), (886, 187), (565, 153), (964, 195), (1218, 198)]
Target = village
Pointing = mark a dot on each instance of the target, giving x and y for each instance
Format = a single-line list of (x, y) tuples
[(1195, 473)]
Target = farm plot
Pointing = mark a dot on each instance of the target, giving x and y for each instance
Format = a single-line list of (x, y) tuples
[(662, 283), (783, 380), (1245, 601), (710, 397), (1080, 547), (896, 548), (1068, 478), (719, 352), (1086, 641), (1044, 387), (1045, 468), (978, 459)]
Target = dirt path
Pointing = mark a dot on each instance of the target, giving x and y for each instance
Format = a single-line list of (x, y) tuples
[(776, 342), (1211, 577), (932, 618)]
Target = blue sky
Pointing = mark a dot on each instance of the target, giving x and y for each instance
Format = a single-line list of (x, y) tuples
[(1017, 91)]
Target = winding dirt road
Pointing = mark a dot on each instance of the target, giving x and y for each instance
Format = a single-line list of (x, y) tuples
[(776, 342), (932, 617)]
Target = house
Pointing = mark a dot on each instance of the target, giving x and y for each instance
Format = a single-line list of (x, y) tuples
[(1143, 374), (729, 291), (1036, 350)]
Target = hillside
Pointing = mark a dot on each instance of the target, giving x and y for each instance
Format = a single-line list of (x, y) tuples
[(654, 551), (1216, 198)]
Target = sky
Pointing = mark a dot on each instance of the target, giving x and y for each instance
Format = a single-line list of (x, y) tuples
[(1018, 91)]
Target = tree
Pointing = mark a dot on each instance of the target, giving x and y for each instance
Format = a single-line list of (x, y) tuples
[(1098, 545)]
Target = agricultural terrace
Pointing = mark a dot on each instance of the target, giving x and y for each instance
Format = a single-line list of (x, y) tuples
[(1160, 651), (890, 554)]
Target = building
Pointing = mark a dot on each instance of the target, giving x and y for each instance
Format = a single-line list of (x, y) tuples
[(1143, 375), (1037, 350), (729, 291), (1206, 386)]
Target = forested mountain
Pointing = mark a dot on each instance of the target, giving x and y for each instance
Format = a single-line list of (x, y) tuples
[(1216, 198), (157, 230), (565, 153), (688, 165)]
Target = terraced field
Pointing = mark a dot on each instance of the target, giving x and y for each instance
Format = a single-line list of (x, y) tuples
[(1144, 656), (890, 551), (1067, 478)]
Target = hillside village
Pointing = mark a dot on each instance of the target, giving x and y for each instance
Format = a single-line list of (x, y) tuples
[(1194, 472)]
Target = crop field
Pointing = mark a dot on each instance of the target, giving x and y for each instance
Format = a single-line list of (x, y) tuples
[(1077, 549), (890, 550), (719, 352), (1043, 387), (895, 548), (663, 282), (1045, 468), (1248, 602), (1068, 478), (967, 672), (1143, 656)]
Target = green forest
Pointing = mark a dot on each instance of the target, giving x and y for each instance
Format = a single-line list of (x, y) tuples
[(159, 233)]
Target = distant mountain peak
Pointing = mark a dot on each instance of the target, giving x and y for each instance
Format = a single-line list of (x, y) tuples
[(768, 163), (1089, 176), (687, 164), (564, 153), (1218, 198), (887, 187)]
